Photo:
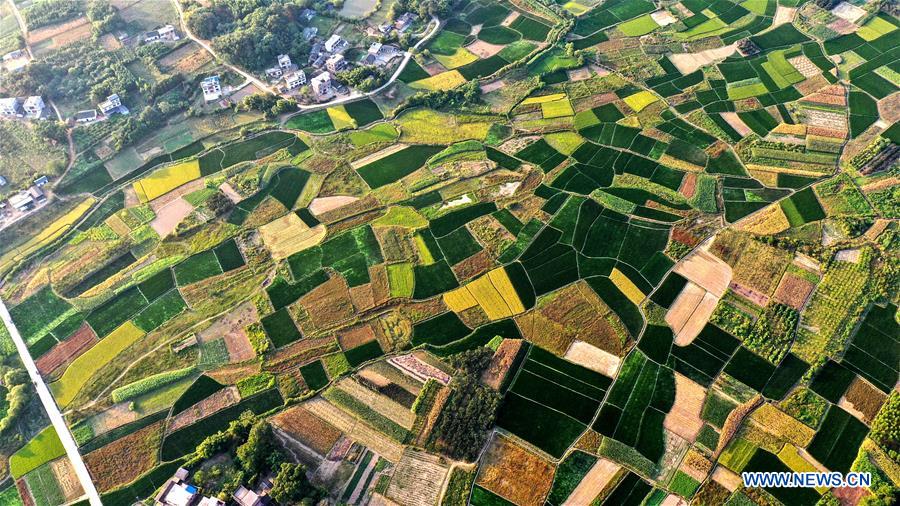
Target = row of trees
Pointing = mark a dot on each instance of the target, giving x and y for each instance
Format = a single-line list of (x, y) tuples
[(48, 12)]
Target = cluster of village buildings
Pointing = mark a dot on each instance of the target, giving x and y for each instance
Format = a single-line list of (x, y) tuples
[(178, 492)]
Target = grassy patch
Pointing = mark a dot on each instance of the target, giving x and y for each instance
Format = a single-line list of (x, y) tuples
[(43, 448)]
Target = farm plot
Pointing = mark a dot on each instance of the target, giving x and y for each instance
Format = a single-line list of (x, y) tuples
[(494, 292), (551, 401), (309, 429), (836, 443), (803, 207), (280, 328), (123, 460), (41, 449), (197, 268), (874, 351), (704, 358), (418, 479), (165, 180), (83, 368), (288, 235), (39, 313), (504, 468), (636, 406), (396, 165)]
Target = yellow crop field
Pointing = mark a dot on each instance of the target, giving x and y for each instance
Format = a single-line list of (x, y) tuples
[(640, 100), (875, 28), (424, 253), (47, 235), (340, 119), (461, 57), (557, 109), (544, 98), (501, 282), (167, 179), (624, 284), (489, 298), (769, 221), (564, 142), (786, 129), (443, 81), (83, 368), (459, 299), (288, 235), (493, 291), (425, 126), (401, 216), (792, 458), (782, 425)]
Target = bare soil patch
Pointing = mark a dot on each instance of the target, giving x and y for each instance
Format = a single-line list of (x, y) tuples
[(760, 299), (329, 304), (65, 476), (356, 336), (123, 460), (324, 204), (704, 269), (418, 479), (736, 123), (59, 30), (170, 215), (484, 49), (231, 328), (690, 62), (187, 59), (793, 291)]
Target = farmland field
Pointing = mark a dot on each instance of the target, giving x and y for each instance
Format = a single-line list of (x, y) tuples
[(575, 252)]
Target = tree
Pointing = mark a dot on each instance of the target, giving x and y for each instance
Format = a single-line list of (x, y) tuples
[(259, 451), (219, 204), (291, 485)]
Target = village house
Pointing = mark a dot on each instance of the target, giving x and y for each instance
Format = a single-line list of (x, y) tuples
[(295, 79), (178, 492), (336, 44), (2, 181), (404, 21), (321, 85), (111, 105), (386, 28), (284, 62), (212, 88), (11, 106), (14, 55), (381, 54), (22, 201), (307, 14), (335, 63), (165, 33), (83, 117), (310, 32), (246, 497), (41, 181), (37, 194), (274, 73), (34, 106)]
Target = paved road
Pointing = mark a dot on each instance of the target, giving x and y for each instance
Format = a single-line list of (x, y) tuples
[(52, 410)]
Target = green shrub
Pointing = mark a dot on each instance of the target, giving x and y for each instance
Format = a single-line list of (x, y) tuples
[(256, 383)]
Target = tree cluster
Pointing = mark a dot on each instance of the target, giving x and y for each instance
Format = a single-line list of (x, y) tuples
[(270, 105), (103, 17), (424, 8), (463, 95), (469, 414), (252, 444), (364, 78), (18, 396), (48, 12), (252, 33)]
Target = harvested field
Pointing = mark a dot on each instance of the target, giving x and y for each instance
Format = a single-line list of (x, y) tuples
[(187, 59), (736, 123), (418, 479), (378, 155), (514, 473), (727, 478), (690, 312), (707, 271), (67, 350), (212, 404), (123, 460), (749, 294), (690, 62), (593, 483), (356, 336), (170, 215), (231, 328), (684, 418), (329, 303), (111, 418), (66, 478), (588, 355), (793, 291), (321, 205), (307, 428), (288, 235), (355, 430), (501, 362)]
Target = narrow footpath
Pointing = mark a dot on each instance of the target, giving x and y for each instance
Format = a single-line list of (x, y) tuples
[(56, 417)]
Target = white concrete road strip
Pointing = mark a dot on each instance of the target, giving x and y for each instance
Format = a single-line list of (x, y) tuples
[(56, 417)]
